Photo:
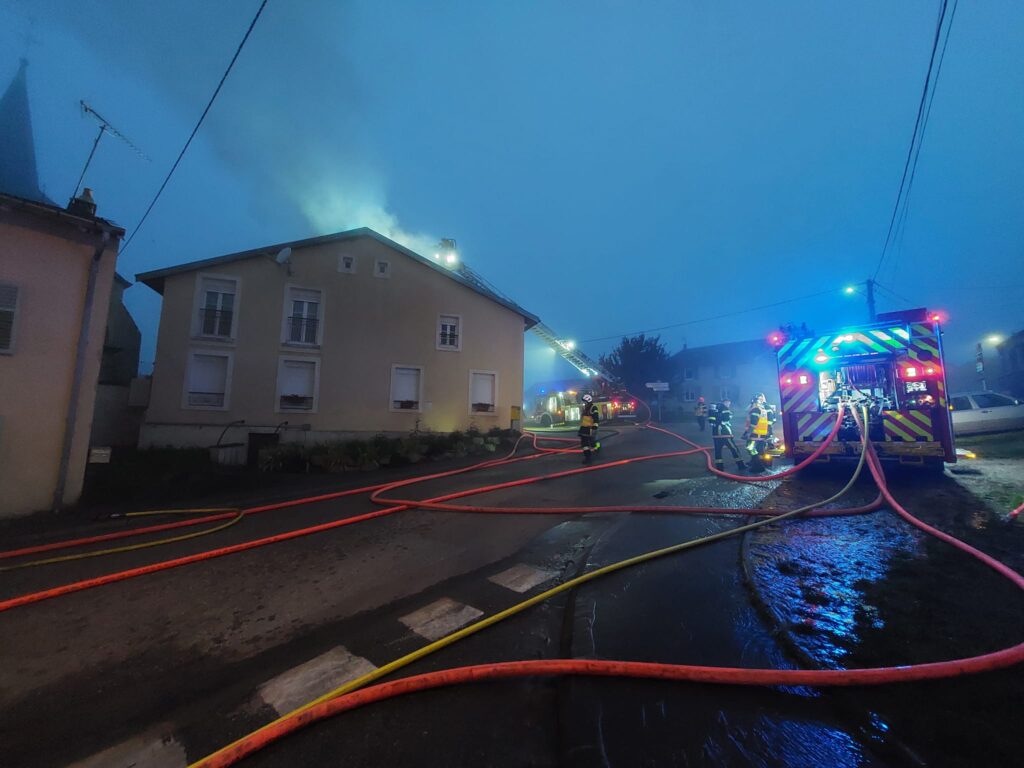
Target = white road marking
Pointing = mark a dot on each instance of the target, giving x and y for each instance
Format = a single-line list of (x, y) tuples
[(309, 681), (156, 748), (522, 577), (440, 618)]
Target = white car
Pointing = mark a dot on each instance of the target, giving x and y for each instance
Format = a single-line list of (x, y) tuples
[(977, 412)]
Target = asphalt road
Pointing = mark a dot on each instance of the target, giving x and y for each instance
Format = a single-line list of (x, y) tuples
[(168, 667)]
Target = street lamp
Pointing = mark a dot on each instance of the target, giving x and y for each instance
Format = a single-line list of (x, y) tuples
[(869, 285), (979, 357)]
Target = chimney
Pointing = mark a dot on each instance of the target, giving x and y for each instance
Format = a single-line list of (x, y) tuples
[(83, 205)]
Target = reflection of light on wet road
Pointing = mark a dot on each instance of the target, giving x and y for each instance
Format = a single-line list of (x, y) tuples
[(773, 742), (811, 575)]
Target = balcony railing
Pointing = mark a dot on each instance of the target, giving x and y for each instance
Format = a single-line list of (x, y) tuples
[(302, 330), (449, 339), (216, 322)]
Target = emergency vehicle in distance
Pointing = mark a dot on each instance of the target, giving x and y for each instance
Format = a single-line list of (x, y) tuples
[(893, 366), (562, 406)]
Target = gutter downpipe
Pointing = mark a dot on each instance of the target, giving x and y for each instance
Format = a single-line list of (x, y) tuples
[(76, 380)]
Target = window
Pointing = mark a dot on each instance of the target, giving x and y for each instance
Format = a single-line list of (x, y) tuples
[(406, 385), (689, 395), (347, 264), (302, 316), (208, 380), (382, 268), (726, 394), (297, 384), (217, 306), (483, 392), (725, 371), (448, 328), (689, 373), (961, 403), (8, 313), (992, 400)]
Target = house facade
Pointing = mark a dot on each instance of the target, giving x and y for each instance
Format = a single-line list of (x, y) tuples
[(736, 370), (56, 277), (332, 337)]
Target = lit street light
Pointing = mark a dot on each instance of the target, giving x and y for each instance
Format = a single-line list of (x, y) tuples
[(995, 338)]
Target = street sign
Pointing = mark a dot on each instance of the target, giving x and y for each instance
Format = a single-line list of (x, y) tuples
[(657, 386)]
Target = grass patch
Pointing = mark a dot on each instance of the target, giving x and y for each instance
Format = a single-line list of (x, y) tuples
[(1004, 445)]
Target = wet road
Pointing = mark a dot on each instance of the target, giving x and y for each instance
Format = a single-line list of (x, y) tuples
[(190, 659)]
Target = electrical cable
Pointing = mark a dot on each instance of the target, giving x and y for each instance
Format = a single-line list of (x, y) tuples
[(915, 137), (743, 311), (195, 130)]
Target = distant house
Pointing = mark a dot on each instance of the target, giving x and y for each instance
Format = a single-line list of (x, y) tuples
[(736, 370), (56, 278), (330, 337), (117, 421), (1011, 365)]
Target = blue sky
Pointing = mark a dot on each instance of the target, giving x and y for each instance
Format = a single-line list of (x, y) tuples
[(612, 166)]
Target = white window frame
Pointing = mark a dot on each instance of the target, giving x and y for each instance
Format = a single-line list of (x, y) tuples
[(281, 360), (391, 399), (472, 372), (227, 379), (458, 332), (726, 393), (198, 305), (341, 263), (286, 314), (689, 373), (689, 395), (9, 349), (386, 274)]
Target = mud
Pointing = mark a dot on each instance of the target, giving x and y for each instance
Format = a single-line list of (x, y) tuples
[(872, 591)]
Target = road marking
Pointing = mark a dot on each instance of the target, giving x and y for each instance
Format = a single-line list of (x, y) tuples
[(156, 748), (313, 679), (440, 618), (522, 577)]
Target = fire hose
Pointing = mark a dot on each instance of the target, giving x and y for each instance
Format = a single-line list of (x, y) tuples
[(352, 695)]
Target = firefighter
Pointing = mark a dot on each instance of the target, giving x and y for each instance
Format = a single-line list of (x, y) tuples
[(720, 417), (589, 422), (756, 430), (701, 412)]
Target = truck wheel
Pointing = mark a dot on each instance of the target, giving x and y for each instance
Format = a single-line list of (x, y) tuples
[(545, 419)]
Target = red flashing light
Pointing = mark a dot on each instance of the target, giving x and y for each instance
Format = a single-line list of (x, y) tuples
[(910, 373), (938, 316)]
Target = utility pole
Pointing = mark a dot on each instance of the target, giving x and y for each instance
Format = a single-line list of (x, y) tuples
[(871, 300)]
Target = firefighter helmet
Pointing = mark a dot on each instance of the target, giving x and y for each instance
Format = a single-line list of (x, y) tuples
[(588, 398)]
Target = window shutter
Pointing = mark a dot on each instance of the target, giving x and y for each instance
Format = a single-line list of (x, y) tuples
[(482, 392), (8, 306), (209, 374), (298, 378), (405, 388)]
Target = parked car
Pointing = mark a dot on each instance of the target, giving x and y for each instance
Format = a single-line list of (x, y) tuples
[(977, 412)]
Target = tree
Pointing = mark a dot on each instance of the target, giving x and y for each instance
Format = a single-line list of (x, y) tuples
[(636, 361)]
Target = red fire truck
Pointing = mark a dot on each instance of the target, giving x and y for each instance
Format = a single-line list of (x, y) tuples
[(893, 366)]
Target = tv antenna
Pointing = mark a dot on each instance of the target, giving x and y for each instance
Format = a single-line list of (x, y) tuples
[(105, 127)]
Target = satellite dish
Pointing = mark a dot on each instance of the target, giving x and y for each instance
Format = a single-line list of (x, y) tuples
[(284, 256)]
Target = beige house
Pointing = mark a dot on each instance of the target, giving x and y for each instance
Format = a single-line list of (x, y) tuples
[(331, 337), (56, 275)]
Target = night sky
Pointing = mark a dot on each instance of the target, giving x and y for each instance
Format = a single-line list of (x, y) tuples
[(612, 166)]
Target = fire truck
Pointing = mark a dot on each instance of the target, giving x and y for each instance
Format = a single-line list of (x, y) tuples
[(893, 367), (562, 407)]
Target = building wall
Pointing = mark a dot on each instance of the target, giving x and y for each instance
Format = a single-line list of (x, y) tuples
[(122, 341), (51, 273), (369, 325), (1010, 377), (743, 368)]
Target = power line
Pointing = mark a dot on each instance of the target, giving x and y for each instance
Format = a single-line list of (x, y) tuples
[(915, 137), (196, 129), (901, 226), (714, 317)]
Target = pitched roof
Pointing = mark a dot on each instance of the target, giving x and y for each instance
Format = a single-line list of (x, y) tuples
[(155, 278)]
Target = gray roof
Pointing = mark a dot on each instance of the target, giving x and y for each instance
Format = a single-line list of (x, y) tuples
[(155, 278)]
